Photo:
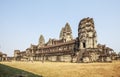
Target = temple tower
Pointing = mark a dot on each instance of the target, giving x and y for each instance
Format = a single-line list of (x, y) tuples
[(87, 34), (41, 41), (66, 33), (61, 33), (17, 55)]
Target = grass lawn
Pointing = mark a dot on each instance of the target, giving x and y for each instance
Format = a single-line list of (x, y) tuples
[(7, 71), (60, 69)]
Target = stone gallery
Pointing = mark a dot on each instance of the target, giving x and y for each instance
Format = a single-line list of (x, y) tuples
[(83, 48)]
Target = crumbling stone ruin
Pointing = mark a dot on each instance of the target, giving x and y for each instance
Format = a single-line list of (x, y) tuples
[(83, 48), (3, 56)]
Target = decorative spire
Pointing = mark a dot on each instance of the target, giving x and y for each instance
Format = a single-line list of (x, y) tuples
[(41, 40), (67, 27), (61, 33)]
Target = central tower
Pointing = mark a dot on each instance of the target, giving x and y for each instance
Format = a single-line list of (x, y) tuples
[(87, 34)]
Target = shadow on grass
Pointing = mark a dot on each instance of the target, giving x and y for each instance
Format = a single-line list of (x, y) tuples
[(7, 71)]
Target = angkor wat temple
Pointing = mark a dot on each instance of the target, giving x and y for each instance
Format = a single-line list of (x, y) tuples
[(83, 48)]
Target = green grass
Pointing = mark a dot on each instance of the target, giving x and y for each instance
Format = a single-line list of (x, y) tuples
[(7, 71)]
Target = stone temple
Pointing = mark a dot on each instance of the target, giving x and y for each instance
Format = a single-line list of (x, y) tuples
[(83, 48)]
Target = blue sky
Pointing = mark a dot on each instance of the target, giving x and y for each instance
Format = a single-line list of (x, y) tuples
[(23, 21)]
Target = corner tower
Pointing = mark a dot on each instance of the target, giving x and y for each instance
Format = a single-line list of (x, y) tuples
[(87, 34)]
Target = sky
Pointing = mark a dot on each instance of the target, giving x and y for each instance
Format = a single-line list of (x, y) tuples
[(23, 21)]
